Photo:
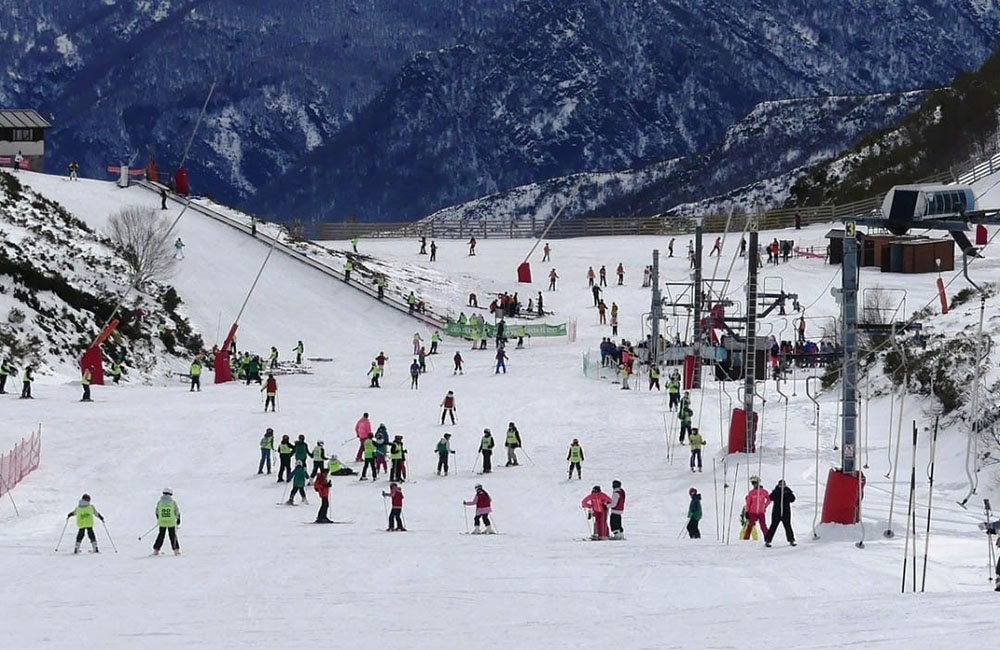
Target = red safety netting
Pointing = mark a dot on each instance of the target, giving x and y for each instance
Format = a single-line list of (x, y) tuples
[(22, 460)]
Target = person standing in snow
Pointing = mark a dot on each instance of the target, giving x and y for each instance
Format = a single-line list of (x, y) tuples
[(322, 487), (546, 251), (617, 507), (417, 343), (486, 445), (596, 504), (414, 375), (422, 360), (7, 369), (472, 246), (298, 350), (74, 171), (654, 376), (168, 518), (318, 458), (380, 285), (717, 248), (538, 304), (670, 248), (273, 358), (179, 249), (85, 513), (301, 450), (782, 499), (696, 442), (443, 450), (299, 476), (397, 456), (674, 392), (354, 243), (348, 267), (374, 372), (363, 431), (575, 458), (434, 251), (18, 159), (590, 277), (553, 276), (381, 439), (271, 388), (596, 292), (395, 493), (423, 245), (368, 453), (435, 339), (285, 450), (501, 361), (448, 407), (694, 514), (85, 378), (266, 447), (116, 371), (194, 372), (484, 506), (620, 271), (755, 506), (513, 441), (458, 364), (685, 416), (26, 379)]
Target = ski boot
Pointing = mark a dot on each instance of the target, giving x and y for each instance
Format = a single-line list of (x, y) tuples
[(490, 531), (76, 549), (477, 531), (96, 550), (156, 551), (177, 551)]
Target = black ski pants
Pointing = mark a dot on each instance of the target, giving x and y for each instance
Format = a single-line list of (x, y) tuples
[(317, 466), (297, 490), (396, 519), (324, 508), (26, 389), (692, 529), (89, 532), (575, 466), (484, 518), (165, 530), (487, 461), (443, 462), (450, 412), (284, 468), (369, 462), (396, 470), (785, 519), (616, 523)]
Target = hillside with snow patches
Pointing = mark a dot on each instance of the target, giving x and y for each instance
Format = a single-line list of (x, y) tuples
[(252, 572)]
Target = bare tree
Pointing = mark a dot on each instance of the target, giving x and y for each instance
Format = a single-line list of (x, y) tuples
[(141, 234)]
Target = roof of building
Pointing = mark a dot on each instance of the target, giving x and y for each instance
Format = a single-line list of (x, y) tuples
[(22, 119)]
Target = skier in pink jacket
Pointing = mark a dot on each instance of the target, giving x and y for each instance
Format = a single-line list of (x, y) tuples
[(596, 503), (755, 505), (484, 506), (363, 430)]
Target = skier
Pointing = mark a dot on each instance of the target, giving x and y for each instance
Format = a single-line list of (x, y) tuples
[(696, 442), (501, 361), (274, 357), (417, 343), (590, 276), (381, 359), (434, 251), (617, 507), (298, 350), (484, 506), (602, 311), (363, 431), (472, 246), (168, 518), (596, 292), (271, 386), (179, 249), (368, 454), (85, 378), (397, 454), (26, 379), (674, 392), (381, 446), (513, 441), (354, 243), (458, 364), (620, 271), (116, 371), (163, 199), (319, 459), (85, 513), (337, 468), (755, 506), (486, 445), (553, 276), (380, 285), (266, 447), (7, 369), (18, 159), (596, 504), (422, 360), (435, 339), (443, 450), (74, 171), (670, 248), (654, 376), (299, 476), (538, 304), (301, 450), (717, 248), (685, 418), (322, 487), (194, 372), (396, 512), (546, 250), (448, 407), (575, 458), (743, 247), (694, 514), (414, 374), (284, 459), (782, 499), (423, 245), (374, 372), (348, 267), (500, 339)]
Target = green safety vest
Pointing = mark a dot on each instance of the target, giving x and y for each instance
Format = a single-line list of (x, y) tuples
[(673, 387), (85, 516), (435, 338), (380, 281), (442, 446), (511, 437), (284, 448), (654, 372), (396, 451), (166, 513), (486, 443), (267, 442), (696, 441), (4, 370), (27, 375), (369, 451), (575, 453), (348, 267), (116, 370), (300, 348), (317, 453), (85, 379), (195, 369), (335, 466), (686, 416)]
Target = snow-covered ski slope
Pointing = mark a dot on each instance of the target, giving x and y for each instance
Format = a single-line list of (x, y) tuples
[(252, 575)]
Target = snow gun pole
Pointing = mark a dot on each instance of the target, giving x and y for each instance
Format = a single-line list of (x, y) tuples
[(715, 489), (10, 496), (65, 523), (909, 516), (930, 500), (989, 539), (571, 194), (197, 123), (108, 533)]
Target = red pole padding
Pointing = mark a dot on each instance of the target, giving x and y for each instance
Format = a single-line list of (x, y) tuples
[(181, 182), (690, 367), (943, 295), (738, 433), (92, 359), (524, 272), (842, 501), (223, 371)]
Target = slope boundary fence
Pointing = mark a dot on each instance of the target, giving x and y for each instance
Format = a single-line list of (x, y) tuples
[(20, 461)]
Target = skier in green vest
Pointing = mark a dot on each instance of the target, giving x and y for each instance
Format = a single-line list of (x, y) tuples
[(685, 416), (168, 518), (368, 453), (397, 457), (575, 458), (435, 339), (319, 458), (116, 371), (7, 369), (195, 373), (266, 447), (299, 350), (26, 379), (285, 450), (674, 392), (512, 442), (697, 443), (348, 267), (299, 476), (486, 445), (85, 513)]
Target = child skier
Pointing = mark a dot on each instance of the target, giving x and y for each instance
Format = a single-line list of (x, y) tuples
[(685, 415), (484, 506), (168, 518), (458, 364), (266, 447), (271, 388), (397, 455), (575, 458), (782, 499), (596, 504), (381, 446), (298, 350), (617, 507), (194, 372), (755, 506), (368, 452), (694, 514), (318, 458), (301, 450), (696, 442), (299, 476), (374, 372), (396, 513), (85, 513), (512, 442), (501, 361), (443, 450), (284, 459), (448, 407), (322, 487), (486, 449), (414, 375)]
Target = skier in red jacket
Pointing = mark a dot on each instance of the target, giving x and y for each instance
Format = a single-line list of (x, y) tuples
[(396, 514), (755, 506), (484, 506), (322, 487), (271, 386), (596, 503)]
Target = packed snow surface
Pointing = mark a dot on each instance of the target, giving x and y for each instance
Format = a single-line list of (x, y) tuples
[(253, 575)]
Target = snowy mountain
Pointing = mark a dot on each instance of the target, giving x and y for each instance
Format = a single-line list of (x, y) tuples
[(59, 283), (393, 110)]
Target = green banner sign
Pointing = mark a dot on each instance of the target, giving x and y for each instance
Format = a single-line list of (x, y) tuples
[(512, 330)]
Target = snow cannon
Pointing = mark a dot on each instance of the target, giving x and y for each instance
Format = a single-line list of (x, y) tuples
[(842, 500), (223, 371), (524, 272), (92, 358), (738, 438)]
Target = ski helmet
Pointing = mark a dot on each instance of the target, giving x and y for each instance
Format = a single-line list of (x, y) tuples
[(616, 484), (692, 491), (319, 443), (168, 492), (754, 480), (479, 486), (596, 488), (269, 430), (85, 497), (486, 430)]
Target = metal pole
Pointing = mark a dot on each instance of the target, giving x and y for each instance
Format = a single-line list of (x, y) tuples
[(930, 500), (750, 341), (698, 304), (655, 312), (198, 123), (849, 389)]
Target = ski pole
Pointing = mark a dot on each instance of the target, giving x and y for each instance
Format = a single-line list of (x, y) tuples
[(155, 526), (683, 530), (465, 511), (930, 500), (528, 457), (475, 464), (65, 523), (108, 533), (385, 506)]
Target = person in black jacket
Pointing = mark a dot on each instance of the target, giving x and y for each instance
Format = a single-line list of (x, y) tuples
[(782, 499)]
